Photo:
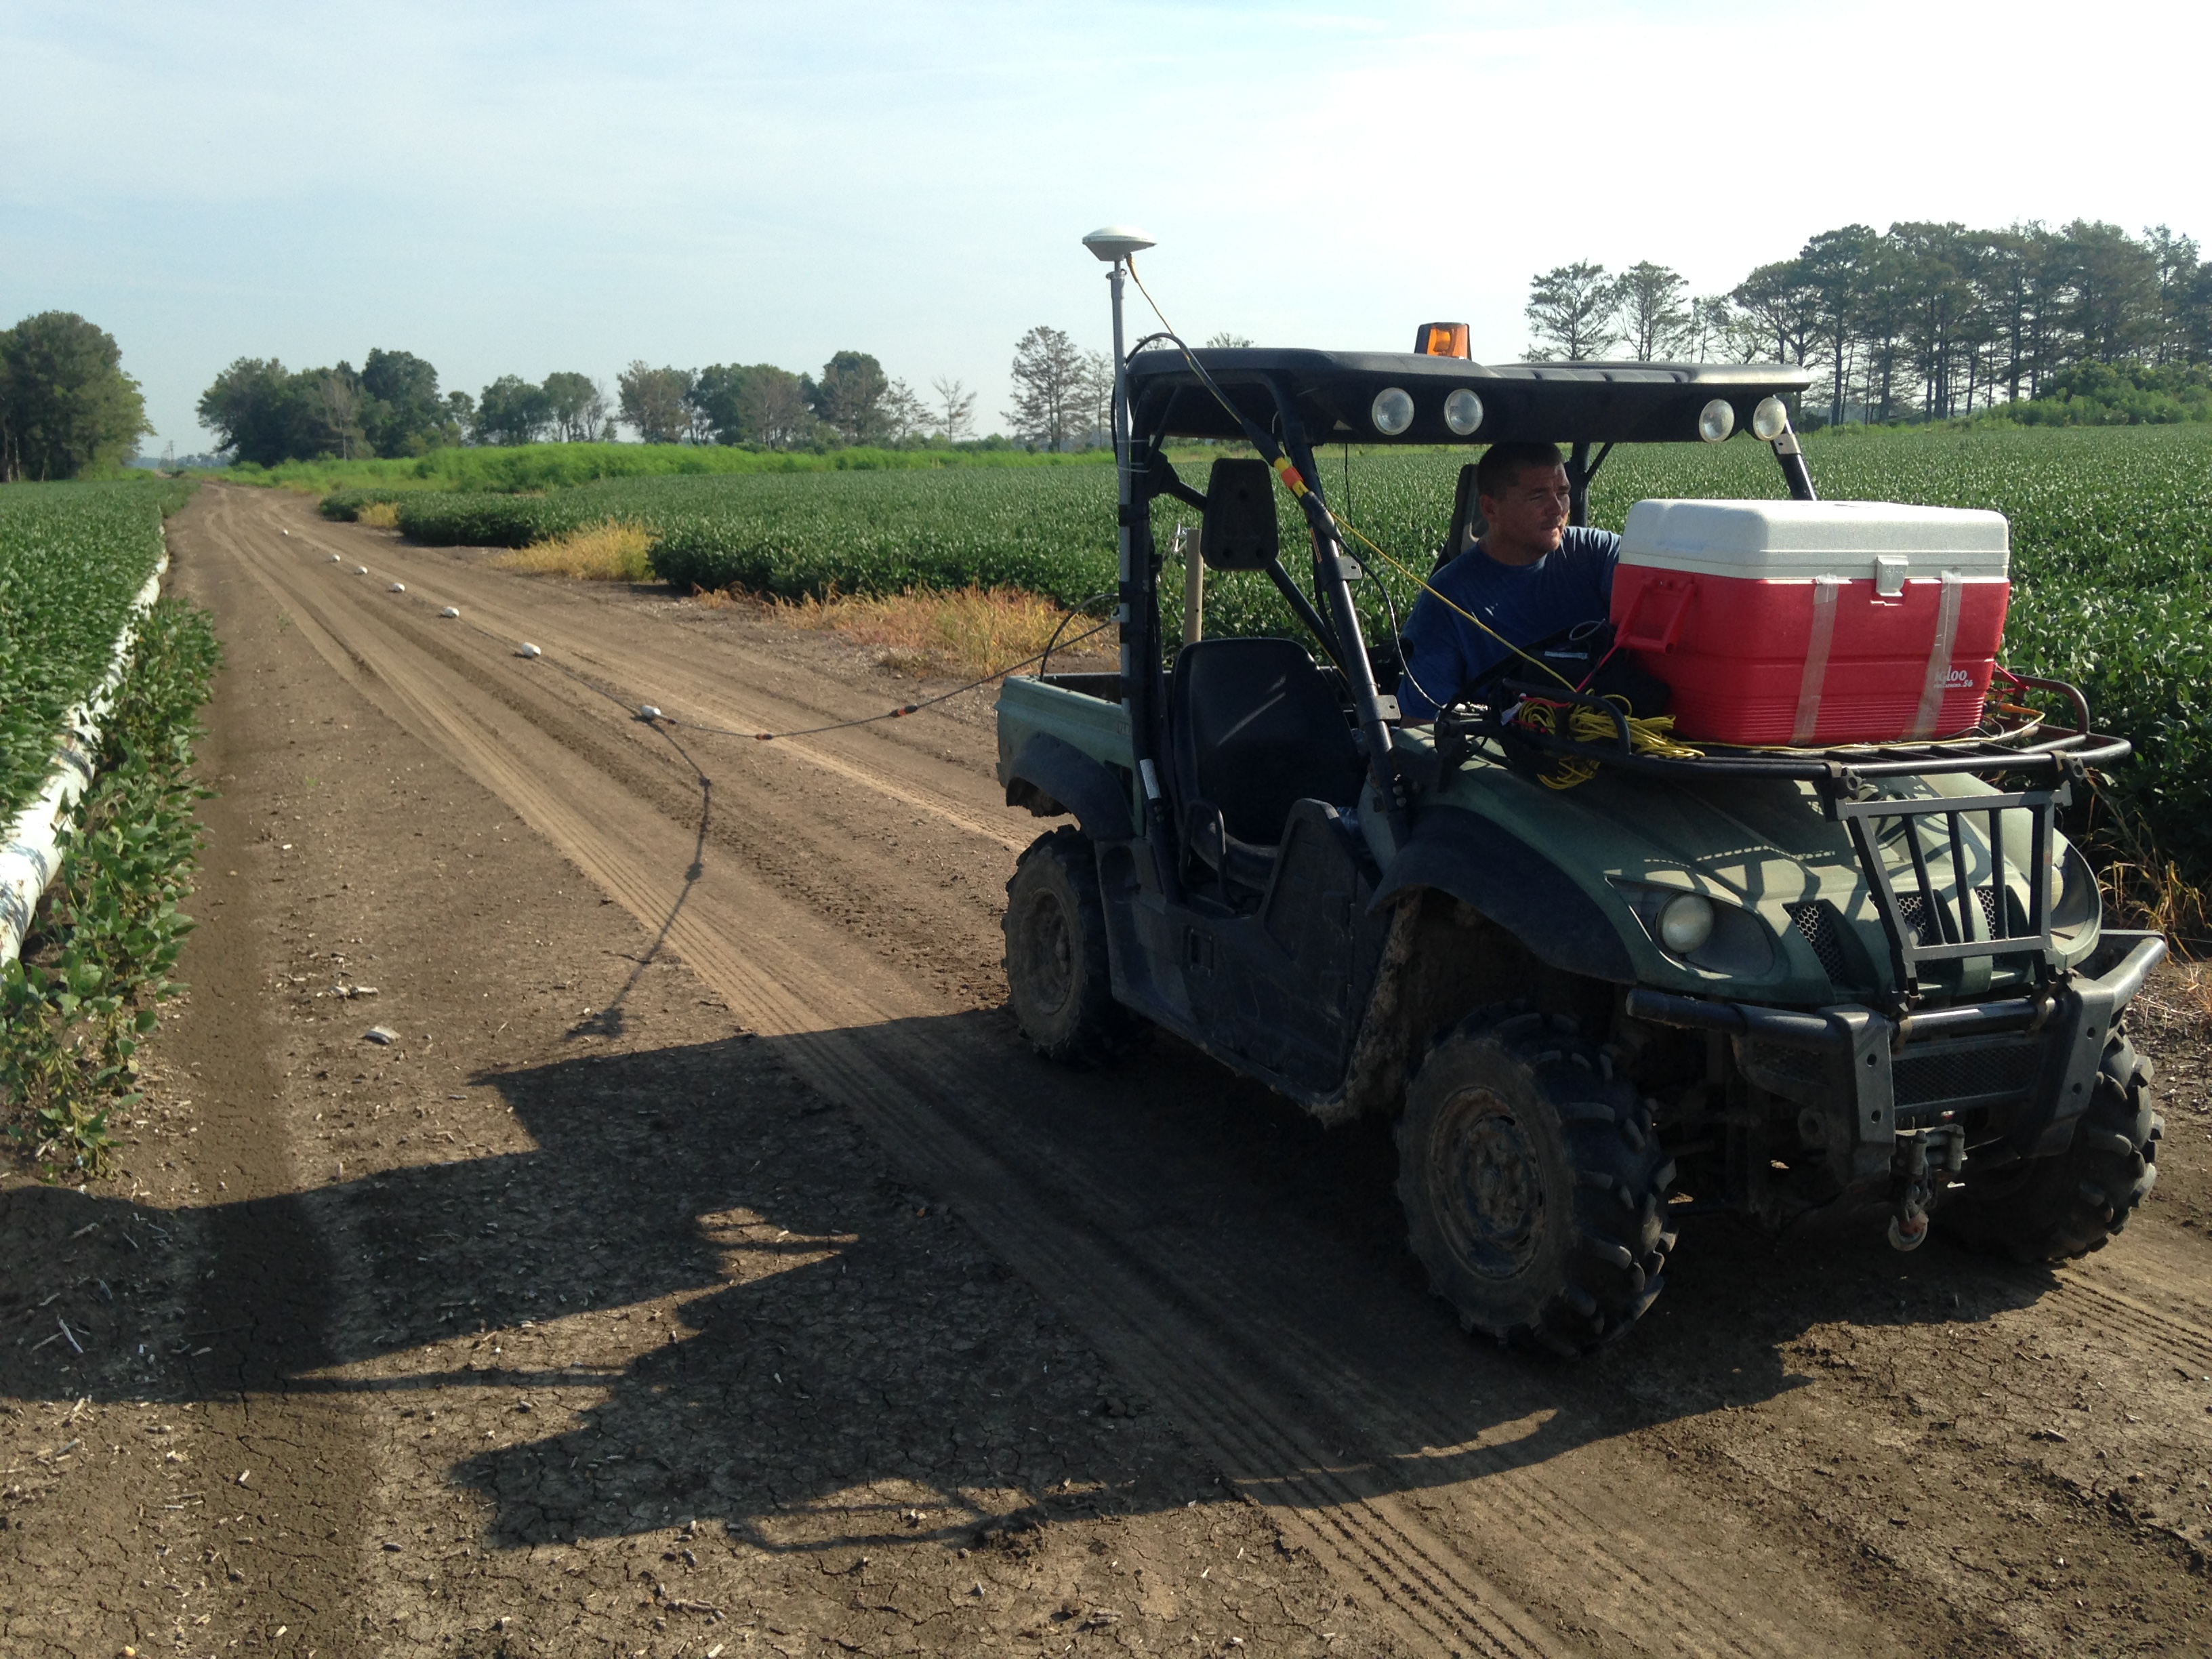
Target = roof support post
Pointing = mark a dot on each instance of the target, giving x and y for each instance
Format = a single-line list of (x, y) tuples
[(1138, 612), (1578, 478), (1336, 568), (1793, 471)]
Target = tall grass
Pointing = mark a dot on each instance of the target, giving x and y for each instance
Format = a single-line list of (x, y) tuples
[(963, 631), (609, 552)]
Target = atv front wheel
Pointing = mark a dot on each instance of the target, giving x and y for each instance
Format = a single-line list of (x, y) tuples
[(1534, 1188), (2047, 1209), (1057, 973)]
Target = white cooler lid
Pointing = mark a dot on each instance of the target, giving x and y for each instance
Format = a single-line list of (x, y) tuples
[(1795, 541)]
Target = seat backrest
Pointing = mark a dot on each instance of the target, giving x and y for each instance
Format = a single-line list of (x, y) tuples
[(1257, 727), (1467, 525)]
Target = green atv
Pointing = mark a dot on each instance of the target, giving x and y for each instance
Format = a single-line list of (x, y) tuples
[(1826, 989)]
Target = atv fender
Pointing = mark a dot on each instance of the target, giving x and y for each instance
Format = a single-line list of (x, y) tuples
[(1051, 776), (1504, 878)]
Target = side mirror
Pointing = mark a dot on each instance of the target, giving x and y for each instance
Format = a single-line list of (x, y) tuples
[(1239, 530)]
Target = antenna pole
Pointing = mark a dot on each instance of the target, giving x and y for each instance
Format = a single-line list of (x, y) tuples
[(1137, 614), (1124, 491)]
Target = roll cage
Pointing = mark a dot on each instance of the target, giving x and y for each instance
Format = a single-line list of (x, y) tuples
[(1284, 402)]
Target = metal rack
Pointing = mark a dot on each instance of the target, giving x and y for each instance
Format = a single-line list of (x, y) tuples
[(2032, 745)]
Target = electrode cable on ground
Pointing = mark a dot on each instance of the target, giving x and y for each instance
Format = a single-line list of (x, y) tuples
[(651, 714)]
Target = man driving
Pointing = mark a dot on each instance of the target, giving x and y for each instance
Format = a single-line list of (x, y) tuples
[(1530, 576)]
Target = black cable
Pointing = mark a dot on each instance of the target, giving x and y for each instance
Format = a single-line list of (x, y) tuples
[(1398, 635), (636, 711), (1053, 644), (1390, 604), (899, 712)]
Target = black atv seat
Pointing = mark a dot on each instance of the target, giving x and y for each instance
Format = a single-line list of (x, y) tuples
[(1256, 728)]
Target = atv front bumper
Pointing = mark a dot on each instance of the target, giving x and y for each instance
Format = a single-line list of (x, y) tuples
[(2014, 1075)]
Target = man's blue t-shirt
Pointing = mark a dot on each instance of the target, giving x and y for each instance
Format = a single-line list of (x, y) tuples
[(1526, 602)]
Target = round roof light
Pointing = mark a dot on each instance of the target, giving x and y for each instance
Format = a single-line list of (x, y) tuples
[(1392, 410), (1685, 923), (1770, 420), (1463, 412), (1716, 421)]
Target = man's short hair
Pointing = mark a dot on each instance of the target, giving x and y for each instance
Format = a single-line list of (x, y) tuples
[(1499, 469)]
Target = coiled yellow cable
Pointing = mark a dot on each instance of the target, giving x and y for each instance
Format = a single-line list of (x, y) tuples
[(1652, 735)]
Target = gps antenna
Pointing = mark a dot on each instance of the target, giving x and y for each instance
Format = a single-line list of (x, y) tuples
[(1114, 245)]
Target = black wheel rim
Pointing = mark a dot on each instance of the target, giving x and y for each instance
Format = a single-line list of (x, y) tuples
[(1049, 953), (1489, 1185)]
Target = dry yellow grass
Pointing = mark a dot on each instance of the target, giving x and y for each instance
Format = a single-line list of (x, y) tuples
[(610, 552), (380, 515), (964, 631)]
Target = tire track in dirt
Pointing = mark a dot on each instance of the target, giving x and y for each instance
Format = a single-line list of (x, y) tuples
[(1354, 1456), (2088, 1289)]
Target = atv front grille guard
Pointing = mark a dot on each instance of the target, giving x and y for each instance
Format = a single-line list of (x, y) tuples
[(1925, 924)]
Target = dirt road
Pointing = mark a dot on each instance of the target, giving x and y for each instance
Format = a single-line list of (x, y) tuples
[(704, 1267)]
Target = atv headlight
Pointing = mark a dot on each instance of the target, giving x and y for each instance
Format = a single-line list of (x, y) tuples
[(1716, 421), (1770, 420), (1463, 412), (1685, 923), (1712, 935), (1392, 410)]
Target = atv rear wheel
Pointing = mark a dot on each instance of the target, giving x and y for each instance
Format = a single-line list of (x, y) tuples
[(2047, 1209), (1535, 1189), (1060, 985)]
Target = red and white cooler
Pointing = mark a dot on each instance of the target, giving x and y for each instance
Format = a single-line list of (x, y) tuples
[(1814, 622)]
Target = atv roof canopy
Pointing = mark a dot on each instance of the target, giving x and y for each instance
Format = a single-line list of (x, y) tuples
[(1334, 396), (1287, 402)]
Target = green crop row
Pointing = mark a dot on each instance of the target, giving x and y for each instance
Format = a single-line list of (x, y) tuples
[(1049, 530), (72, 557), (475, 518), (107, 938), (345, 505), (564, 466)]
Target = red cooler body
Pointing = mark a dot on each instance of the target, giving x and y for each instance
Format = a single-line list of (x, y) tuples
[(1814, 622)]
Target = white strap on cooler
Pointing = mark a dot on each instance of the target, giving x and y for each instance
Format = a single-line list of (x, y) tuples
[(1825, 589), (1939, 656)]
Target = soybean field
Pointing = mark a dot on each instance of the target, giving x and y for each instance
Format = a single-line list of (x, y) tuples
[(72, 557), (2112, 531)]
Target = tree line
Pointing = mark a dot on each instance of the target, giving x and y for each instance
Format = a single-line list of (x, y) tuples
[(66, 406), (265, 413), (1923, 320)]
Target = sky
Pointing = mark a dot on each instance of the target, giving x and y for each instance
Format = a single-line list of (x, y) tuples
[(517, 188)]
